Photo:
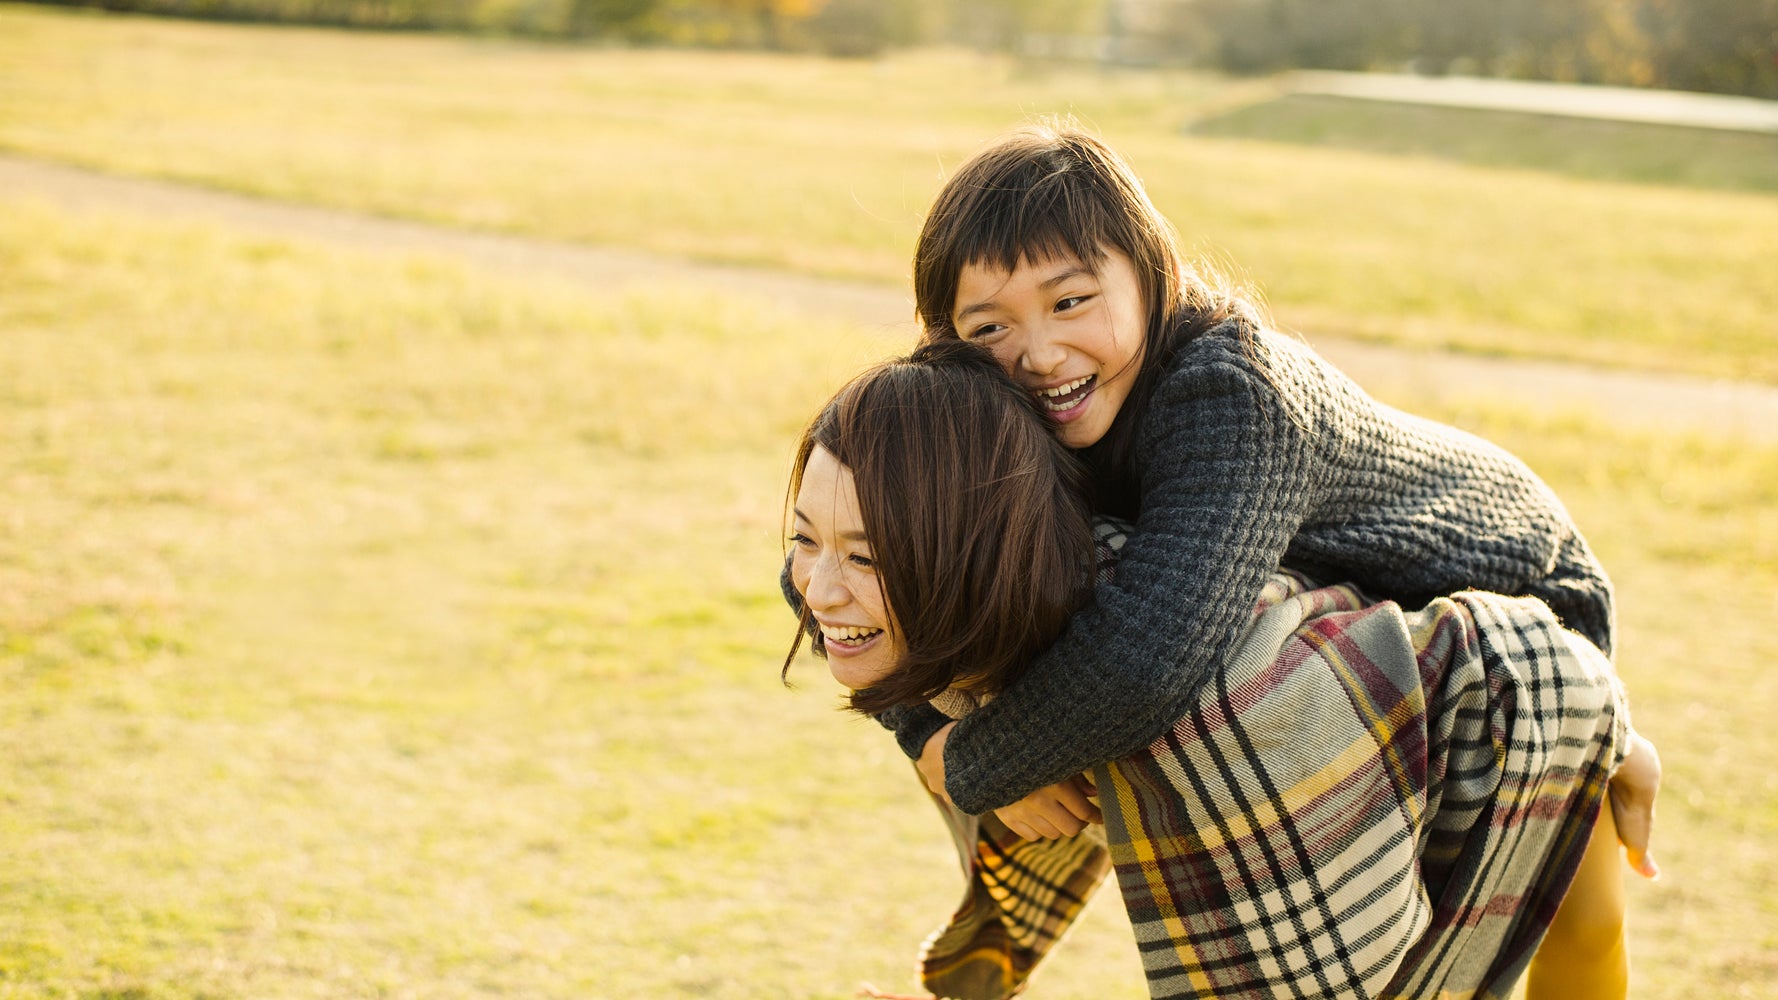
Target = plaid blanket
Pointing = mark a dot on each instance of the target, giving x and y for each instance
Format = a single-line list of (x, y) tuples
[(1364, 803)]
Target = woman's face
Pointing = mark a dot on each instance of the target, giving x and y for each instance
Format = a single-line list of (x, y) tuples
[(1069, 333), (832, 569)]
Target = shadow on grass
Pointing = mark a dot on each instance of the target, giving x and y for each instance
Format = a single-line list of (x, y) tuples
[(1603, 150)]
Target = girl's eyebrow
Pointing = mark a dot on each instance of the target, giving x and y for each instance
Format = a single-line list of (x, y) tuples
[(970, 310), (1058, 278), (1046, 284)]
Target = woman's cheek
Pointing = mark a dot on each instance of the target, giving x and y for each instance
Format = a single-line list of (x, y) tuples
[(799, 573)]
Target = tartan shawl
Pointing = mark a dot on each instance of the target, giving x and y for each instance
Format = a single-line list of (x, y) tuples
[(1363, 803)]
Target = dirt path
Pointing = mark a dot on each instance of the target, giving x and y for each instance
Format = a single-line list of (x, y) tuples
[(1635, 399)]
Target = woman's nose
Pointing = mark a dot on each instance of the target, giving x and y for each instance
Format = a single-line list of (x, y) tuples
[(825, 590)]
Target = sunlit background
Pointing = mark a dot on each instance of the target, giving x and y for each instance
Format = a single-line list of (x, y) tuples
[(395, 410)]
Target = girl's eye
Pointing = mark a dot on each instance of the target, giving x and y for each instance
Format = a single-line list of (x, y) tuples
[(987, 331), (1070, 302)]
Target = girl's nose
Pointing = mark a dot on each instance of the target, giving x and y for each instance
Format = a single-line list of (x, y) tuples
[(1042, 355)]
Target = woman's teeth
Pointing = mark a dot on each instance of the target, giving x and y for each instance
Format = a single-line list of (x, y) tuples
[(848, 634), (1060, 398)]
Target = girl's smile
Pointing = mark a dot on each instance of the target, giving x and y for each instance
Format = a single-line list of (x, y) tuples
[(1064, 402), (1070, 333)]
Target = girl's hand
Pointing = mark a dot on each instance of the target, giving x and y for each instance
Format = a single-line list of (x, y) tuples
[(1052, 812), (932, 761), (1633, 790)]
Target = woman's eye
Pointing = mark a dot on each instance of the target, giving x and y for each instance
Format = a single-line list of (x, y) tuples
[(862, 561), (798, 538)]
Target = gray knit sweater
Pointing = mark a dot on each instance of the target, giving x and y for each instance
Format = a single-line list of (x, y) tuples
[(1250, 459)]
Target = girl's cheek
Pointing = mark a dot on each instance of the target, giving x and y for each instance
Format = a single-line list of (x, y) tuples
[(1008, 358)]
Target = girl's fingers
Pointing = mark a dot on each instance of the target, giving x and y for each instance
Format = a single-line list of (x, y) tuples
[(1635, 824), (1058, 823), (1632, 796), (1633, 831), (1071, 798), (1643, 864), (1060, 810)]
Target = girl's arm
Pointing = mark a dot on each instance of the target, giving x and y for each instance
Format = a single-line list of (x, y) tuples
[(912, 725), (1229, 478)]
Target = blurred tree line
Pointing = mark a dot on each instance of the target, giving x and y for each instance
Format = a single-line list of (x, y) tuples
[(1729, 46), (1726, 46)]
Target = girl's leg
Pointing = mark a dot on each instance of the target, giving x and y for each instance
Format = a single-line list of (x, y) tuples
[(1586, 955)]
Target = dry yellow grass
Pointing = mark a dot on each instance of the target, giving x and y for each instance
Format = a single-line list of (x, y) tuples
[(370, 626)]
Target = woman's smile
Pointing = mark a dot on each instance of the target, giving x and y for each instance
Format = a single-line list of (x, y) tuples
[(832, 567), (848, 640)]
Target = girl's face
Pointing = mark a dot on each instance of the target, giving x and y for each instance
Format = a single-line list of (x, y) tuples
[(832, 569), (1068, 333)]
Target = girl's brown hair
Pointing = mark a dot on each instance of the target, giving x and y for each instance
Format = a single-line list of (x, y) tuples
[(977, 523), (1051, 191)]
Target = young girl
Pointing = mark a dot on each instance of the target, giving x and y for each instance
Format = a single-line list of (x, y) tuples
[(1234, 449), (1359, 802)]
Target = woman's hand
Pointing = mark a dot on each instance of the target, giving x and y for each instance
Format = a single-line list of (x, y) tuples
[(1059, 810), (932, 761), (1633, 790)]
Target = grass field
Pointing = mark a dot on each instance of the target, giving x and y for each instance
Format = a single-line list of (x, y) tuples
[(826, 167), (374, 626)]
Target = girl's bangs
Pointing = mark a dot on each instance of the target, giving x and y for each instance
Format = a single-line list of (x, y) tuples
[(1050, 220)]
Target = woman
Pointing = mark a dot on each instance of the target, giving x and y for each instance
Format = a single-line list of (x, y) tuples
[(1364, 801)]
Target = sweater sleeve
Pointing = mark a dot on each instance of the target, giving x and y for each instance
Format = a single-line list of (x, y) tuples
[(1579, 592), (912, 725), (1227, 479)]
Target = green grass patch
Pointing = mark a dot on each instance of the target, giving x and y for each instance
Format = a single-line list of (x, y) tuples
[(373, 626), (826, 167), (1634, 152)]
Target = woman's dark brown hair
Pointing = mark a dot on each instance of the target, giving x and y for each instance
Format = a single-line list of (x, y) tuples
[(1047, 192), (975, 515)]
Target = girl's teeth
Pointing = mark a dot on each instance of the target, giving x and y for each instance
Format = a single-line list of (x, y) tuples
[(1063, 390), (1063, 397)]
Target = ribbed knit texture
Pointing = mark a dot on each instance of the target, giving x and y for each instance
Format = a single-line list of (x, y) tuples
[(1249, 463)]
